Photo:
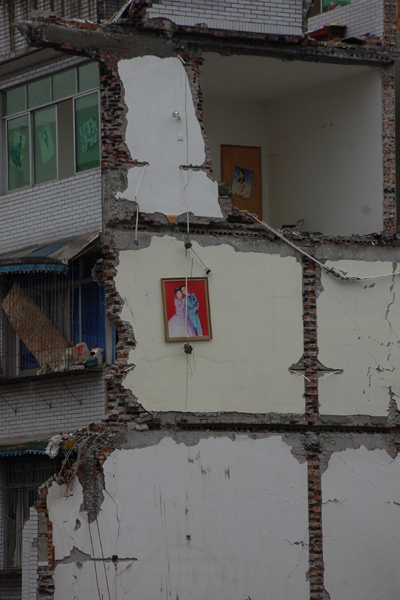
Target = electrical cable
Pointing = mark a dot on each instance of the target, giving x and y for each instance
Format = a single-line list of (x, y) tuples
[(119, 573), (293, 372), (185, 200), (325, 375), (204, 264), (94, 562), (330, 270), (136, 202), (104, 562)]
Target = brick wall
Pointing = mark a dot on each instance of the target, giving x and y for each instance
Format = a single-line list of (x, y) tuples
[(51, 210), (389, 151), (281, 17), (361, 17), (30, 556), (34, 417), (12, 43)]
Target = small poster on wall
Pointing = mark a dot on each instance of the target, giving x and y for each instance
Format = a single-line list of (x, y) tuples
[(89, 134), (186, 308), (46, 144), (242, 179)]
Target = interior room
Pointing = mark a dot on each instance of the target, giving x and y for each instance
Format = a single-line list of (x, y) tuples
[(306, 137)]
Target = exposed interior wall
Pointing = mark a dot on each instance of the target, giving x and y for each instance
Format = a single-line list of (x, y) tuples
[(256, 315), (358, 332), (326, 157), (223, 518), (238, 122), (167, 142), (320, 131), (360, 496), (360, 17)]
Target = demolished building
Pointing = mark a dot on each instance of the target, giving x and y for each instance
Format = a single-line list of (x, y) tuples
[(239, 437)]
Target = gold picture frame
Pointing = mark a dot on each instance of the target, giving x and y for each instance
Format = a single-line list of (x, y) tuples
[(186, 309)]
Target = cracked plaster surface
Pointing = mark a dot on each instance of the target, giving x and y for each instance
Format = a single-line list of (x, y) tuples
[(213, 520), (359, 332), (360, 522), (256, 316), (166, 142)]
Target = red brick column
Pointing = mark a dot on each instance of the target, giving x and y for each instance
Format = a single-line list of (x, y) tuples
[(316, 570), (389, 152), (309, 360), (311, 364), (389, 22)]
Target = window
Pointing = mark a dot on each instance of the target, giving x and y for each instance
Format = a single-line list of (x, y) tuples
[(43, 315), (21, 477), (322, 6), (52, 127)]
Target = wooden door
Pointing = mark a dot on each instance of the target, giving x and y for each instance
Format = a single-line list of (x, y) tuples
[(398, 16), (241, 168)]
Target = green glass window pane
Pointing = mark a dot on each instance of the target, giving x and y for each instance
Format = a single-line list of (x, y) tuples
[(64, 84), (45, 144), (14, 101), (18, 152), (87, 132), (39, 92), (328, 5), (88, 76)]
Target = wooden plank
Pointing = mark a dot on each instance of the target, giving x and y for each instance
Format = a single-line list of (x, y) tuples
[(35, 330)]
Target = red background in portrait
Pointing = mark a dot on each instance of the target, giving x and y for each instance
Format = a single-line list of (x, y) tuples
[(195, 287)]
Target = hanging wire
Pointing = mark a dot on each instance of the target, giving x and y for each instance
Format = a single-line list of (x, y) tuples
[(104, 562), (119, 573), (330, 270), (94, 562), (137, 205)]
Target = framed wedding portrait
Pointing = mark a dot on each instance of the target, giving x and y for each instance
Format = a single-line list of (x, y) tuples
[(186, 309)]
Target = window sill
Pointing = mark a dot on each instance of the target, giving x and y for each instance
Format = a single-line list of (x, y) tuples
[(71, 373), (34, 186)]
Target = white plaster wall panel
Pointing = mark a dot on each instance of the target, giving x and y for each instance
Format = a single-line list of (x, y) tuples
[(55, 209), (64, 504), (222, 519), (360, 17), (325, 164), (360, 522), (256, 313), (282, 17), (358, 332), (152, 135)]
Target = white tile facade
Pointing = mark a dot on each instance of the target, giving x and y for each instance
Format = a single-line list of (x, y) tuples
[(275, 17)]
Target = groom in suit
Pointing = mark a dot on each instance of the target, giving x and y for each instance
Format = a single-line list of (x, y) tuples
[(192, 304)]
